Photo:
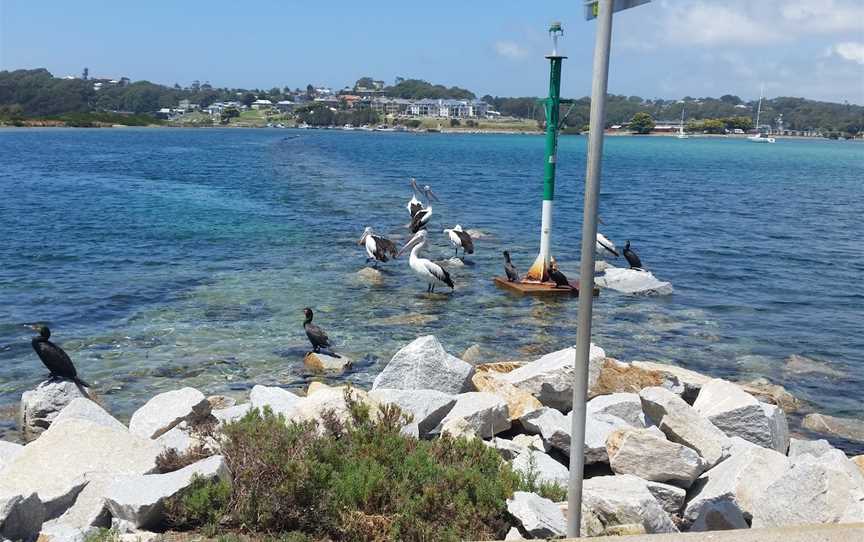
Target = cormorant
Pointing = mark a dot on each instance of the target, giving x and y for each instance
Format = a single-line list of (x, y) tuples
[(632, 257), (316, 335), (460, 239), (379, 249), (509, 268), (556, 275), (55, 359)]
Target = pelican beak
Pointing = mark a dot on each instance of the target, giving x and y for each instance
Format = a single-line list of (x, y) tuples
[(431, 195), (414, 187), (362, 239), (410, 244)]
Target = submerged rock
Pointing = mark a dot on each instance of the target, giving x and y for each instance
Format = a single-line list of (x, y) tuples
[(424, 364), (164, 411), (541, 518), (320, 362), (796, 364), (633, 281), (41, 405), (471, 354), (848, 428), (371, 275)]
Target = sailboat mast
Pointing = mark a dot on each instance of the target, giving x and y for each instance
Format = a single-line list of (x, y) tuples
[(759, 108)]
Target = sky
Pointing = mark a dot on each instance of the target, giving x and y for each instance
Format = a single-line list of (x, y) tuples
[(664, 49)]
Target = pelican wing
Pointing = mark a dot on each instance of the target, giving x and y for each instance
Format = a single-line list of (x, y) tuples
[(414, 207), (417, 221), (438, 272), (384, 248), (467, 242), (606, 244)]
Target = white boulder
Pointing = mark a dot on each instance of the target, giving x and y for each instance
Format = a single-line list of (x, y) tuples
[(41, 405), (164, 411), (280, 401), (555, 428), (682, 424), (8, 452), (642, 453), (485, 413), (633, 281), (816, 448), (737, 413), (424, 364), (542, 467), (690, 381), (670, 498), (330, 399), (88, 512), (625, 500), (539, 517), (427, 407), (625, 406), (85, 409), (232, 413)]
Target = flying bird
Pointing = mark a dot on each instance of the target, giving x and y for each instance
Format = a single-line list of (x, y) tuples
[(378, 249), (632, 257), (509, 268), (428, 271), (55, 358), (460, 239)]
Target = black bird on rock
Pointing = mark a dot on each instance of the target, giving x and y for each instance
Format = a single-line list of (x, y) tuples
[(316, 335), (632, 257), (55, 359), (556, 275), (509, 268)]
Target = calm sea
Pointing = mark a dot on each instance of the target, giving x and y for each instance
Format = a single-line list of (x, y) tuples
[(165, 257)]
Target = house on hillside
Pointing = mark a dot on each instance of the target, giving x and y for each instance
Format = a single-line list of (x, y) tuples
[(285, 106), (262, 104)]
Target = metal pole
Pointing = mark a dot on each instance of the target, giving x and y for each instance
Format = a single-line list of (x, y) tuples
[(586, 268)]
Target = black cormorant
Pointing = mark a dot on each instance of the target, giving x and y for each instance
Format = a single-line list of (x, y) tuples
[(509, 268), (632, 257), (556, 275), (55, 359), (316, 335)]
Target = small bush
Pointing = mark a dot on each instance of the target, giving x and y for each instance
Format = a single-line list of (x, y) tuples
[(103, 535), (528, 482), (171, 460), (202, 504), (455, 122)]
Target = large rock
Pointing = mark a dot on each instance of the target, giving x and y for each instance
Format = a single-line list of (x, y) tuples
[(550, 378), (85, 409), (737, 413), (56, 463), (858, 460), (320, 362), (816, 448), (625, 500), (633, 282), (691, 381), (427, 407), (8, 452), (88, 512), (485, 413), (539, 517), (775, 394), (555, 428), (682, 424), (614, 376), (21, 516), (848, 428), (280, 401), (671, 498), (542, 467), (626, 406), (139, 500), (424, 364), (642, 453), (40, 406), (730, 494), (519, 402), (231, 414), (164, 411), (327, 399)]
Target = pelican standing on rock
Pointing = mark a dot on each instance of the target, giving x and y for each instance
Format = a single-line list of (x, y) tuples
[(509, 268), (632, 257), (428, 271), (556, 275), (460, 239), (422, 216), (316, 335), (53, 357), (378, 249)]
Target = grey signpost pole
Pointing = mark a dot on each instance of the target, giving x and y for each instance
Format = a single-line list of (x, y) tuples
[(602, 10)]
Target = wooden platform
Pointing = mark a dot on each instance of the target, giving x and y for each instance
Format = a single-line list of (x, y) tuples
[(543, 288)]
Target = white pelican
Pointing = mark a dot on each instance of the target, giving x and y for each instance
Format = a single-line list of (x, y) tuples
[(604, 247), (414, 205), (378, 249), (422, 216), (428, 271), (460, 239)]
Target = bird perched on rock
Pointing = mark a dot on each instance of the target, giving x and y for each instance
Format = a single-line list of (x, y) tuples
[(632, 257), (316, 335), (556, 275), (378, 249), (509, 268), (460, 239), (55, 358)]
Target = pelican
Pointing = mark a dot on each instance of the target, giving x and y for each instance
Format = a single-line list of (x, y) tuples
[(632, 257), (460, 239), (378, 249), (556, 275), (414, 205), (55, 359), (316, 335), (605, 247), (509, 268), (428, 271), (422, 216)]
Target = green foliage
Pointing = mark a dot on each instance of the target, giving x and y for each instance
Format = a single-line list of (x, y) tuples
[(413, 123), (103, 535), (528, 482), (321, 114), (417, 88), (641, 123), (363, 480), (201, 505), (455, 122)]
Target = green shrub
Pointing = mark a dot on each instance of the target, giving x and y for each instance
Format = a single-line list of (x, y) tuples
[(202, 504), (103, 535), (528, 482)]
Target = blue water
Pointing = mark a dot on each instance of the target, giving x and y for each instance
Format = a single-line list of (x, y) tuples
[(163, 257)]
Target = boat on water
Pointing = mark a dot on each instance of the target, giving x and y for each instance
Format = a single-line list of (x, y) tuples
[(348, 126), (758, 137), (681, 134)]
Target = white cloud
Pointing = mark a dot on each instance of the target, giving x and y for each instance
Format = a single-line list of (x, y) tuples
[(850, 50), (708, 24), (511, 50), (809, 16)]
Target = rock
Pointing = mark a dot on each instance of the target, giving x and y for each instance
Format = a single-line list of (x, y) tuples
[(682, 424), (550, 378), (8, 452), (816, 448), (737, 413), (220, 402), (21, 516), (532, 442), (166, 410), (730, 494), (519, 402), (458, 428), (550, 424), (312, 407), (859, 462), (670, 498), (88, 512), (428, 407), (541, 518), (796, 364), (317, 386), (476, 234), (614, 377), (590, 524), (485, 413), (370, 275), (643, 454), (507, 448), (40, 406), (139, 500), (626, 406), (471, 354), (824, 489), (280, 401), (70, 450), (179, 439), (633, 282), (690, 380), (542, 467), (320, 362), (513, 534), (555, 429), (231, 414), (424, 364), (847, 428), (625, 500), (765, 391), (85, 409), (498, 366)]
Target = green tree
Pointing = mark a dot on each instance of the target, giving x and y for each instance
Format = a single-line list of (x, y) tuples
[(713, 126), (365, 82), (248, 98), (642, 123)]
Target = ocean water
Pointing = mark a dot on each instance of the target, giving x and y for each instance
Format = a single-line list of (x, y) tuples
[(169, 257)]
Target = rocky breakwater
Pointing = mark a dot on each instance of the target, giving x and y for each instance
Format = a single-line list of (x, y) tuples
[(666, 449)]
